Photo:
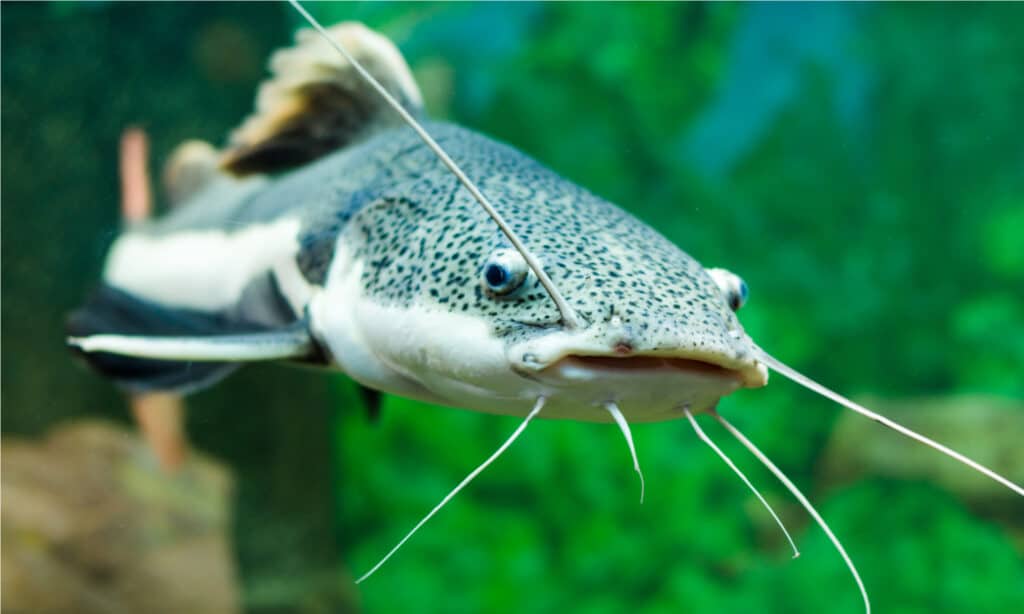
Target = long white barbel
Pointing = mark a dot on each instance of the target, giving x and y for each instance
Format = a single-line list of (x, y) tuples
[(814, 386), (704, 437), (803, 501), (616, 413), (569, 317), (469, 478)]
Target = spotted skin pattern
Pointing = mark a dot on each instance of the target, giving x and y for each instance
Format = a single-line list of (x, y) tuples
[(424, 239)]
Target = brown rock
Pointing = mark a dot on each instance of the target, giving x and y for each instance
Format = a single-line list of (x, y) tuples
[(90, 524)]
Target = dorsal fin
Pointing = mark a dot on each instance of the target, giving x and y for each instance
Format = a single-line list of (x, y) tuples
[(315, 102)]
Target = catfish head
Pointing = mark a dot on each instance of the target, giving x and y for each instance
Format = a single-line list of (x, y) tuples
[(426, 292)]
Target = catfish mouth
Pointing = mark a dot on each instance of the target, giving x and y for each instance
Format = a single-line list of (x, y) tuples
[(586, 366), (646, 364)]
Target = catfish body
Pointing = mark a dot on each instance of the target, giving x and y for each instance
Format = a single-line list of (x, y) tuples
[(403, 282)]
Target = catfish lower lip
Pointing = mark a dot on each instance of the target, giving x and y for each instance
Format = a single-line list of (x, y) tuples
[(581, 367), (643, 363)]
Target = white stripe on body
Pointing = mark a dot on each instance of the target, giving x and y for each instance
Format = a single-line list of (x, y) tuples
[(201, 269)]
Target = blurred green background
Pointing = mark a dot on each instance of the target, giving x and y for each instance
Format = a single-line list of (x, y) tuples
[(862, 167)]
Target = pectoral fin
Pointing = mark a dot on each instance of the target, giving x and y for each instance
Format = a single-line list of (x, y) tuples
[(140, 363), (145, 346), (291, 344), (372, 400)]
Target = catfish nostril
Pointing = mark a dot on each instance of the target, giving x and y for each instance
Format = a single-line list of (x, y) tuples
[(531, 360), (623, 348)]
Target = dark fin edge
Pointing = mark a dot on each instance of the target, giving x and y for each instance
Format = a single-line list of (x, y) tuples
[(112, 311), (315, 102)]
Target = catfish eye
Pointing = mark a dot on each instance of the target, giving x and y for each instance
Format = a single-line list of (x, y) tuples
[(733, 288), (504, 272)]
